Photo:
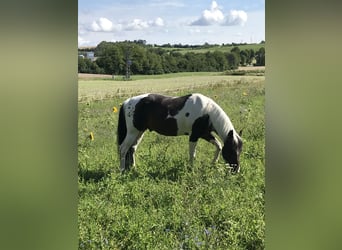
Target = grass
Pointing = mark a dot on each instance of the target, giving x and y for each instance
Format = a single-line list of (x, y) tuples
[(101, 89), (172, 75), (220, 48), (164, 203), (245, 72)]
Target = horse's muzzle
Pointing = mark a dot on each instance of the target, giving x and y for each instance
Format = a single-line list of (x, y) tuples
[(235, 168)]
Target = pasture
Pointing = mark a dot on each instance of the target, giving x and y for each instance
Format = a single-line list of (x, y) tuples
[(163, 203), (220, 48)]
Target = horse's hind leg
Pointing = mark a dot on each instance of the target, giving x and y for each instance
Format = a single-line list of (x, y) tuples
[(123, 153), (135, 146), (129, 158), (127, 149)]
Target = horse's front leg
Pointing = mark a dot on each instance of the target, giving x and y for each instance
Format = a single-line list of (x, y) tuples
[(218, 146), (192, 151), (212, 139)]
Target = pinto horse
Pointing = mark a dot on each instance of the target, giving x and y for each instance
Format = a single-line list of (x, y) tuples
[(195, 115)]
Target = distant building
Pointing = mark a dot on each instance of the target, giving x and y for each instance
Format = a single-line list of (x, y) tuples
[(88, 54)]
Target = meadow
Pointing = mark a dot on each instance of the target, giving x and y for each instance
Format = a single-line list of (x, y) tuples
[(164, 203), (226, 48)]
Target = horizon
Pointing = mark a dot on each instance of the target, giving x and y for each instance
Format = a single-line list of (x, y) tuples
[(172, 45)]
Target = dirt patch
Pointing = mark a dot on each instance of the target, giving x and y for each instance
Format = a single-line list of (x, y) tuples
[(252, 68), (84, 76)]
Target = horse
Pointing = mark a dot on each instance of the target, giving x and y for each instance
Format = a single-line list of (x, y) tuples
[(195, 115)]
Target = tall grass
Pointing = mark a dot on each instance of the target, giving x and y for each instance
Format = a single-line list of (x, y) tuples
[(164, 203)]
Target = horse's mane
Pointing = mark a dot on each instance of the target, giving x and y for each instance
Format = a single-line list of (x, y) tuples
[(220, 120)]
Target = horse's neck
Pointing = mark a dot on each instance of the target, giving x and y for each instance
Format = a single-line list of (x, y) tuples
[(220, 121)]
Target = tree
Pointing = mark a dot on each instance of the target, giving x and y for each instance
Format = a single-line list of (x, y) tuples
[(112, 60), (233, 60), (244, 57), (95, 69), (260, 57), (221, 61), (169, 63), (251, 56), (211, 61), (139, 58), (153, 64), (236, 51), (82, 65), (149, 59)]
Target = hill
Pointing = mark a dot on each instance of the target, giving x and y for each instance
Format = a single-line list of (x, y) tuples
[(212, 48), (137, 57)]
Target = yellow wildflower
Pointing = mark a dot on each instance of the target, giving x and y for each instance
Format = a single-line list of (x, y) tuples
[(91, 136), (244, 93), (115, 109)]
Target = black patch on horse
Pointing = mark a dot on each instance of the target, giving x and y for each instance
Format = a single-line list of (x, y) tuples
[(153, 112), (201, 129)]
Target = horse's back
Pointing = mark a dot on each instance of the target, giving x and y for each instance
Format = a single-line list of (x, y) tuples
[(197, 105), (165, 114)]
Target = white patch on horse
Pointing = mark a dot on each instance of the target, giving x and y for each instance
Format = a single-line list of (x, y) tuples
[(130, 105), (194, 108), (169, 116)]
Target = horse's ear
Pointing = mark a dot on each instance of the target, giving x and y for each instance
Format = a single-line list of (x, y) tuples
[(230, 134), (240, 133)]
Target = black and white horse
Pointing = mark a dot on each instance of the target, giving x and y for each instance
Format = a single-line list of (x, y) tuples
[(195, 115)]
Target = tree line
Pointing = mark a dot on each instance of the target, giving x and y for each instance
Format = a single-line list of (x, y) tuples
[(137, 57)]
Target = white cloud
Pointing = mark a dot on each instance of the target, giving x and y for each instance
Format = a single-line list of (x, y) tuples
[(136, 24), (194, 31), (159, 22), (103, 24), (236, 17), (209, 17), (216, 16), (82, 41)]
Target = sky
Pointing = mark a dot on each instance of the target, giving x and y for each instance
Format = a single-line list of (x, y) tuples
[(160, 22)]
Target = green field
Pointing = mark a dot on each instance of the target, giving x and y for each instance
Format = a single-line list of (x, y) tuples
[(164, 203), (100, 89), (220, 48)]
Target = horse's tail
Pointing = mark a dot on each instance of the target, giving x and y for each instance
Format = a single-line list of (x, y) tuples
[(122, 127)]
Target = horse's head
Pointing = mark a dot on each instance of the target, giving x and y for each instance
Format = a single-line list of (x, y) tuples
[(231, 150)]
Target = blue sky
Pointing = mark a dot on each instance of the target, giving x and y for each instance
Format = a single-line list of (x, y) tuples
[(168, 21)]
